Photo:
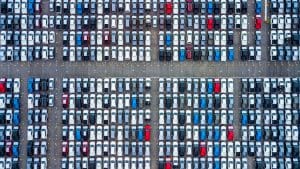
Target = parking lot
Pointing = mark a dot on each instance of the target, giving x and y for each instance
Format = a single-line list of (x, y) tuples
[(60, 69)]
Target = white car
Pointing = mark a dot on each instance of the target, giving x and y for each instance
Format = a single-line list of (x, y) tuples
[(244, 38), (244, 22)]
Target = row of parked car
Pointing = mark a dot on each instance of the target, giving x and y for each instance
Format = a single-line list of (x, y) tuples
[(107, 38), (284, 22), (267, 101), (107, 54), (23, 22), (196, 85), (113, 116), (20, 7), (284, 7), (9, 122), (269, 117), (27, 53), (39, 99), (270, 85), (195, 38), (107, 162), (196, 101), (189, 52), (196, 117), (106, 85)]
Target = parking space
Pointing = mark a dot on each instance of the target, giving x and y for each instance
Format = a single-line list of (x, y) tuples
[(269, 118), (106, 123), (9, 122), (196, 124), (284, 33), (135, 39), (40, 101)]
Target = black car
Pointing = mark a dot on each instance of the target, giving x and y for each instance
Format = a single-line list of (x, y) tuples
[(244, 7)]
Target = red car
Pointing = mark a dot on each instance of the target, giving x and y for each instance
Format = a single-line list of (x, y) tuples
[(217, 86), (85, 148), (168, 165), (168, 8), (2, 85), (147, 135), (210, 23), (203, 150), (189, 51), (65, 101), (230, 133), (189, 6), (8, 149), (106, 38), (86, 38), (65, 149), (258, 22)]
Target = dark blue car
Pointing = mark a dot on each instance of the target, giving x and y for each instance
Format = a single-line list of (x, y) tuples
[(168, 40), (30, 82), (16, 118), (231, 54), (15, 150), (258, 134)]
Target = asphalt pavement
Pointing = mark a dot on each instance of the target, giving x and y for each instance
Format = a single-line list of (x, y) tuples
[(154, 69)]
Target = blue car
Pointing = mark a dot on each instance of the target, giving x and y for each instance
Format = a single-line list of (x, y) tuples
[(258, 134), (79, 8), (217, 55), (182, 55), (258, 7), (140, 134), (203, 134), (30, 7), (133, 102), (209, 87), (244, 118), (217, 163), (78, 40), (210, 8), (16, 102), (210, 118), (217, 134), (168, 40), (78, 134), (15, 149), (203, 102), (231, 54), (16, 118), (196, 118), (217, 151), (30, 82)]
